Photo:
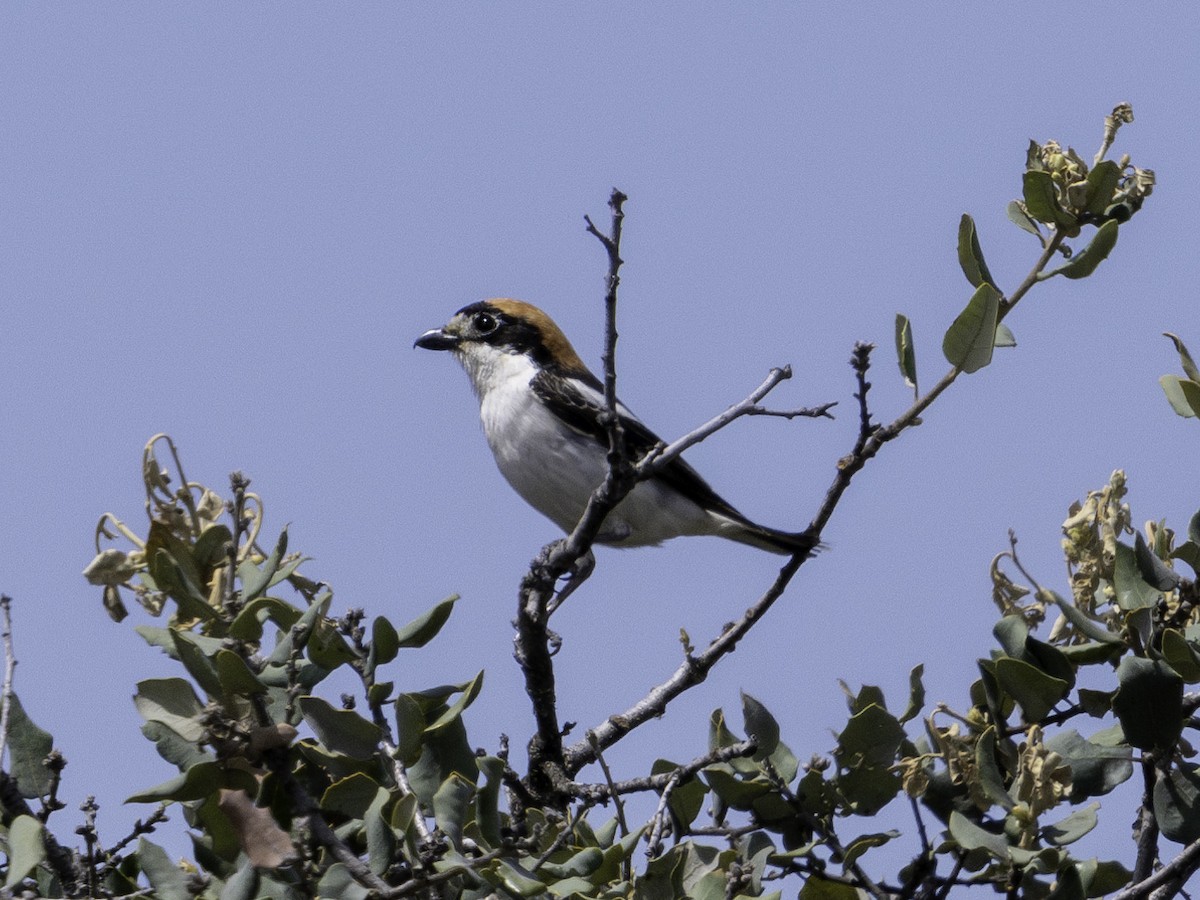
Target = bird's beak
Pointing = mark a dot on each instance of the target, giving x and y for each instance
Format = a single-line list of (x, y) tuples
[(437, 339)]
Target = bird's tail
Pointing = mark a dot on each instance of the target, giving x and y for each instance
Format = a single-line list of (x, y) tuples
[(787, 543)]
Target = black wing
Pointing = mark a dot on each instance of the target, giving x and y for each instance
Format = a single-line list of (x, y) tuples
[(582, 413)]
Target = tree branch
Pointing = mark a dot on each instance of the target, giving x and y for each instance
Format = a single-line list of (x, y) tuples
[(10, 665), (1175, 873), (547, 778), (869, 441)]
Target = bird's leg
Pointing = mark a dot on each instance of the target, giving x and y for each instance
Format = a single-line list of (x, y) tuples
[(579, 573)]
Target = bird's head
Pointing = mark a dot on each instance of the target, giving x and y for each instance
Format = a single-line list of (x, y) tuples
[(492, 335)]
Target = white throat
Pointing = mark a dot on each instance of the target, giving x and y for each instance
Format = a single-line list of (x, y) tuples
[(492, 369)]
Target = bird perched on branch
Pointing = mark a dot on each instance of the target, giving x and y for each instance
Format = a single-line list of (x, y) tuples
[(542, 412)]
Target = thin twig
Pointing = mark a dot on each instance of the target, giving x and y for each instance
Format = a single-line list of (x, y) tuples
[(657, 458), (10, 665), (659, 782), (654, 844), (608, 780), (422, 882), (1145, 828)]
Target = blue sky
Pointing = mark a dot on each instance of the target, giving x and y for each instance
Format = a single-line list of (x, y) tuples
[(229, 222)]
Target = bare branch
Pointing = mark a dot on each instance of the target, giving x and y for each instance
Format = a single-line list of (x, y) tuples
[(659, 782), (612, 789), (547, 777), (659, 457), (654, 844), (1174, 874), (10, 665)]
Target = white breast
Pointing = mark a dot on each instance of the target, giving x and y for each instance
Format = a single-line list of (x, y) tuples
[(556, 469)]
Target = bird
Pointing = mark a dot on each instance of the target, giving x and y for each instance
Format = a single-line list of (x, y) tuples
[(542, 412)]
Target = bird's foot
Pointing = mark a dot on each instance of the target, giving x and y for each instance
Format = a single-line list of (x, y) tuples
[(579, 573)]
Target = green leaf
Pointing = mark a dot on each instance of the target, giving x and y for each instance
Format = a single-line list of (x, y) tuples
[(451, 804), (248, 624), (381, 840), (421, 630), (1073, 827), (1177, 805), (351, 796), (1102, 184), (199, 666), (738, 793), (817, 888), (385, 644), (1069, 886), (864, 842), (410, 729), (200, 781), (760, 725), (1041, 200), (1181, 655), (212, 547), (969, 342), (168, 881), (173, 702), (444, 752), (1096, 704), (327, 648), (1049, 659), (1084, 623), (1183, 395), (177, 581), (865, 753), (990, 778), (972, 837), (1004, 336), (341, 730), (26, 849), (487, 800), (173, 748), (687, 799), (916, 694), (243, 885), (906, 354), (470, 691), (338, 882), (1029, 686), (870, 738), (164, 640), (1149, 703), (1018, 216), (28, 747), (579, 865), (1011, 633), (235, 677), (868, 695), (255, 579), (970, 254), (173, 569), (1084, 263), (1153, 570), (1091, 653), (1185, 358), (1103, 877), (1133, 592), (302, 629)]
